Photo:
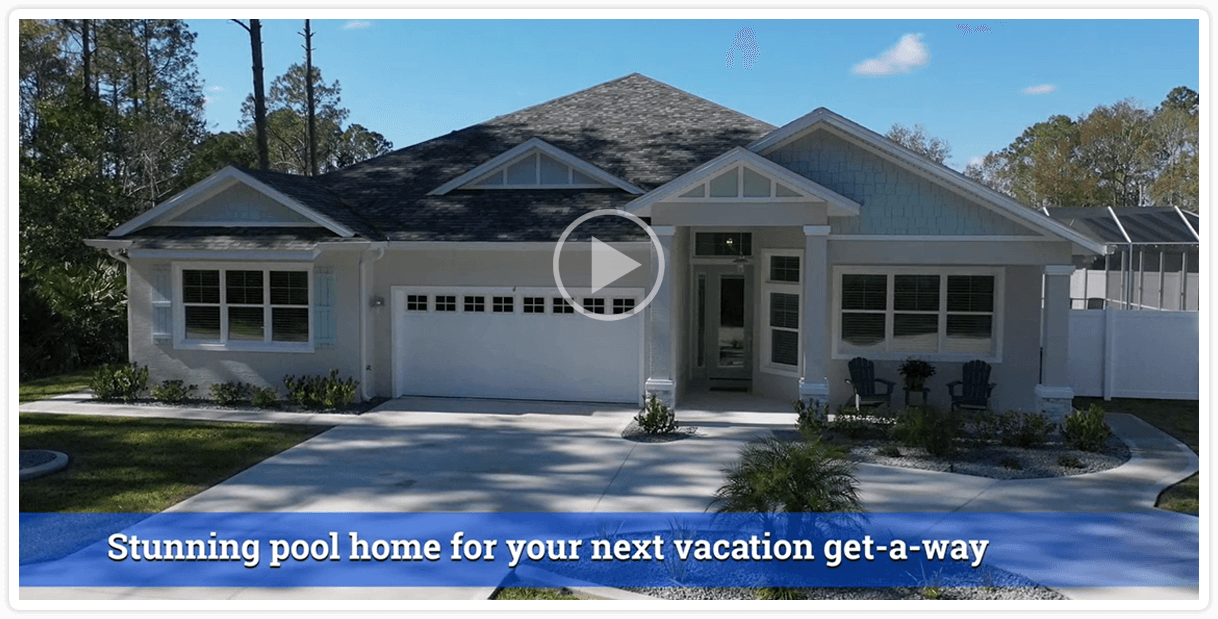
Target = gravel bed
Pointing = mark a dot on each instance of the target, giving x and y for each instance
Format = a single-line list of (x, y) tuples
[(998, 461), (31, 458)]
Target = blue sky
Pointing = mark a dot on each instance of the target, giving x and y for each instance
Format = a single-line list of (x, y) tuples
[(977, 83)]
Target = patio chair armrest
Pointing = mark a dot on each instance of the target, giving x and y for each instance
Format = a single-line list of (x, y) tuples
[(951, 387), (889, 384)]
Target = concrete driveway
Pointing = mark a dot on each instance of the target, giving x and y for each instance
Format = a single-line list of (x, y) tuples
[(436, 455)]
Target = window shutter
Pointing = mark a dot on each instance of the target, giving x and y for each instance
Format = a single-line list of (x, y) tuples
[(325, 328), (162, 304)]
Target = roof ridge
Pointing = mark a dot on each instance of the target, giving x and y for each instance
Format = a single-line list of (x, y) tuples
[(635, 74)]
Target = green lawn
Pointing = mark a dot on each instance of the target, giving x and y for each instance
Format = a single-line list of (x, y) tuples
[(121, 464), (534, 593), (1179, 418), (51, 386)]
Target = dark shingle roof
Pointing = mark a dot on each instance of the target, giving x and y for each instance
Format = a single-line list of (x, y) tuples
[(634, 127), (228, 239), (313, 194)]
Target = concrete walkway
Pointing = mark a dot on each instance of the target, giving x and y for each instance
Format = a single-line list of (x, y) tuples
[(437, 455)]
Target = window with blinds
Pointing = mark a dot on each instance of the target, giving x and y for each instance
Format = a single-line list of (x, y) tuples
[(245, 305)]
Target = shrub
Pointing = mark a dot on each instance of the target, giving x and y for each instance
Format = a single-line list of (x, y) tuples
[(915, 372), (656, 417), (230, 394), (320, 392), (265, 398), (173, 391), (857, 425), (111, 383), (1069, 462), (809, 419), (929, 428), (1012, 463), (1025, 429), (1086, 430), (789, 476), (983, 425)]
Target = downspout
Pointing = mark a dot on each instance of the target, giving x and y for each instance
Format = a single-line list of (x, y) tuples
[(365, 284), (118, 255)]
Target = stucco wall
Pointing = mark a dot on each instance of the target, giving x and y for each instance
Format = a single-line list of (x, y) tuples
[(264, 369)]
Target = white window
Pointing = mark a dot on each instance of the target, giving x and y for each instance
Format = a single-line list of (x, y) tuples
[(244, 306), (895, 312), (782, 309)]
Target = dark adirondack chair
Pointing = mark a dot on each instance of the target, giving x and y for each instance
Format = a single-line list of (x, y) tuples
[(862, 378), (975, 388)]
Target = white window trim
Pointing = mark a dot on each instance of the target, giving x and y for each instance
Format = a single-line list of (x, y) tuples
[(179, 308), (517, 293), (767, 287), (995, 356)]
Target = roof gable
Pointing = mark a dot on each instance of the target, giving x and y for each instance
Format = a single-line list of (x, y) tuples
[(260, 199), (535, 165), (823, 119), (741, 175)]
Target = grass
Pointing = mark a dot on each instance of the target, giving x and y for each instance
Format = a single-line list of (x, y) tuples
[(1179, 418), (51, 386), (122, 464), (535, 593)]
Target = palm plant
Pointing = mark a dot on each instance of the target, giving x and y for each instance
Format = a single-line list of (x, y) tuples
[(796, 477), (789, 476)]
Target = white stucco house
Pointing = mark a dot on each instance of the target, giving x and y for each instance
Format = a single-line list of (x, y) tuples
[(429, 271)]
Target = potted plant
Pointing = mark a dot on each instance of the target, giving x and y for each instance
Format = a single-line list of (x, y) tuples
[(915, 372)]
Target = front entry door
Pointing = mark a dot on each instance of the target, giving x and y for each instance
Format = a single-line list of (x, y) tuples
[(723, 322)]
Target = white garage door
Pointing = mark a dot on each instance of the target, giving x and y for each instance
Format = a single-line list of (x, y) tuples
[(520, 344)]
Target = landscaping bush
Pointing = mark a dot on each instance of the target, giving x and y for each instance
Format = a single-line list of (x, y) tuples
[(808, 419), (1069, 462), (1086, 430), (656, 417), (265, 398), (789, 476), (230, 394), (111, 383), (173, 391), (858, 425), (983, 425), (929, 428), (1025, 429), (889, 451), (321, 392)]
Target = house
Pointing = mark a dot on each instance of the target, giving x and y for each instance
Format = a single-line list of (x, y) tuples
[(430, 270)]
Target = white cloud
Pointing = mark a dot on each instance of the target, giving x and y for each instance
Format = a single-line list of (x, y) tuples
[(216, 88), (1042, 89), (357, 25), (976, 160), (908, 54)]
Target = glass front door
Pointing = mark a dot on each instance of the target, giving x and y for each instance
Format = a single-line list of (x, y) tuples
[(723, 324)]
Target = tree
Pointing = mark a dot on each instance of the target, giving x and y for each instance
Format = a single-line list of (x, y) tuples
[(1175, 145), (287, 126), (1115, 155), (109, 114), (935, 149), (259, 98)]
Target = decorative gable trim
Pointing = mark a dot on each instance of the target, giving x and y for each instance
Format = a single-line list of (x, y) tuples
[(519, 152), (212, 186), (784, 185), (823, 118)]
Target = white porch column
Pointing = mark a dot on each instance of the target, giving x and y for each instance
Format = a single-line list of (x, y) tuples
[(661, 369), (814, 382), (1053, 394)]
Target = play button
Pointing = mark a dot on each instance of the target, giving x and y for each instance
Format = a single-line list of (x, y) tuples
[(609, 265)]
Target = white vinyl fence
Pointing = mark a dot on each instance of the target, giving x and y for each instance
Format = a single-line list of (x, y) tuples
[(1134, 354)]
